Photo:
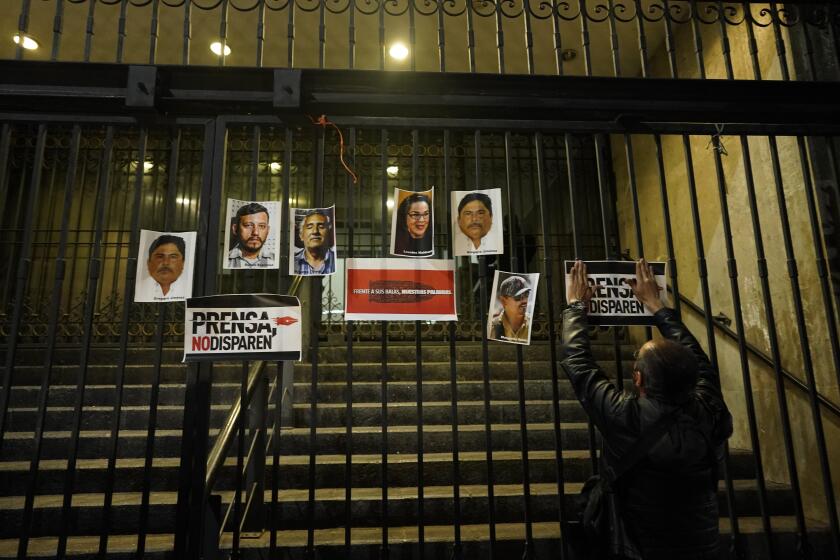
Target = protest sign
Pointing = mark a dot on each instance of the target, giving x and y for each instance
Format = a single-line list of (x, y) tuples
[(613, 302), (400, 290), (242, 327)]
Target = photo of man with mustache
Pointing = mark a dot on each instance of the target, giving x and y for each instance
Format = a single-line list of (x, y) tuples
[(474, 229), (251, 242), (313, 241), (167, 275)]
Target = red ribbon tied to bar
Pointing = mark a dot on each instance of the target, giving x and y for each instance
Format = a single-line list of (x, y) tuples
[(323, 121)]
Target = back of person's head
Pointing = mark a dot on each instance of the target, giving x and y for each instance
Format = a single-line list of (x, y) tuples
[(669, 370)]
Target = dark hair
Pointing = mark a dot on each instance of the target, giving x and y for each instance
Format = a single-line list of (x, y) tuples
[(669, 369), (251, 208), (402, 210), (481, 197), (167, 238)]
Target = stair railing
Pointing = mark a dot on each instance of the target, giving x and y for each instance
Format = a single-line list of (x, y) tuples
[(720, 323), (257, 395)]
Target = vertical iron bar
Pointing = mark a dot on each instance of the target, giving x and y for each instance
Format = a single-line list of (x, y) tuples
[(260, 34), (351, 36), (603, 197), (240, 463), (273, 513), (382, 49), (57, 28), (130, 274), (642, 36), (89, 30), (94, 270), (736, 549), (55, 306), (552, 334), (322, 35), (529, 39), (485, 369), (781, 50), (290, 36), (22, 276), (470, 38), (578, 249), (187, 33), (666, 217), (348, 457), (453, 388), (670, 46), (698, 40), (441, 37), (584, 38), (724, 45), (315, 299), (637, 220), (500, 40), (520, 383), (421, 506), (383, 151), (223, 22), (23, 28), (614, 43), (153, 32), (412, 38), (557, 38), (803, 545), (121, 34), (154, 394), (742, 348)]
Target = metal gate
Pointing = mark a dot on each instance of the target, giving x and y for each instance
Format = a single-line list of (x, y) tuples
[(77, 188)]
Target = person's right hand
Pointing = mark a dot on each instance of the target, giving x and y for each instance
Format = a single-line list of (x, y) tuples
[(645, 287)]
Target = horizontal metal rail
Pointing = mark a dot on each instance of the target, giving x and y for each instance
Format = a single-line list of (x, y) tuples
[(764, 358)]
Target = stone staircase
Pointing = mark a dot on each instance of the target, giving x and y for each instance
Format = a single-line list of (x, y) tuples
[(327, 514)]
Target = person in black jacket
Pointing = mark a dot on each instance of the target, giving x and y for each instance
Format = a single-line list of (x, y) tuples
[(668, 500)]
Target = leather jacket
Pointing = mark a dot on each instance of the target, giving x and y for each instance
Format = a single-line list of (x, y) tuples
[(668, 500)]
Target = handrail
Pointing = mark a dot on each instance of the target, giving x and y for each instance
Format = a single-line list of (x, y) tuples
[(828, 404), (216, 457)]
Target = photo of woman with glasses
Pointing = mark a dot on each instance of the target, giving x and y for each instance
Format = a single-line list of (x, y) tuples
[(413, 226)]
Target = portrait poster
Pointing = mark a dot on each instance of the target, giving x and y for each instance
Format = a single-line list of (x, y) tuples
[(477, 223), (312, 247), (252, 233), (413, 224), (512, 305), (400, 290), (242, 327), (613, 302), (165, 263)]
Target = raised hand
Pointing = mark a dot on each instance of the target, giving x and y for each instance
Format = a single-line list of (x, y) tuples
[(645, 287), (579, 289)]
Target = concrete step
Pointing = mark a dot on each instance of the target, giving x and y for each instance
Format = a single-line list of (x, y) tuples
[(18, 446), (397, 351), (329, 507), (402, 542), (366, 471)]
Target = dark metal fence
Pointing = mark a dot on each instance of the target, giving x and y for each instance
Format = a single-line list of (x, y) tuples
[(745, 210), (657, 38)]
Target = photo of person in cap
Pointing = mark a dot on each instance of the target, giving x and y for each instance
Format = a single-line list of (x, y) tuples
[(512, 307)]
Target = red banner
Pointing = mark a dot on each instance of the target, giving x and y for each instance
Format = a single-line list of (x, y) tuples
[(400, 290)]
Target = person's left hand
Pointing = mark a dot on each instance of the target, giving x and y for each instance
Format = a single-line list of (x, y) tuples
[(578, 289)]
